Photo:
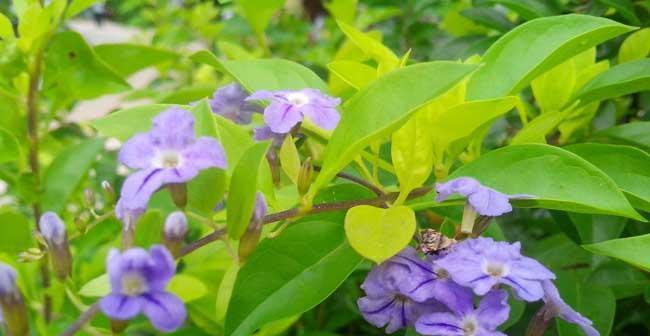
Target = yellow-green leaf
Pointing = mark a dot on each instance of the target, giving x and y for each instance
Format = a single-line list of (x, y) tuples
[(355, 74), (377, 233), (412, 154), (386, 59), (187, 287), (636, 46), (289, 159)]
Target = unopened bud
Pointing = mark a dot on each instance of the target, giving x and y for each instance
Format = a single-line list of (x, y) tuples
[(12, 303), (304, 177), (178, 192), (54, 233), (89, 198), (109, 192), (251, 237), (174, 231), (80, 224)]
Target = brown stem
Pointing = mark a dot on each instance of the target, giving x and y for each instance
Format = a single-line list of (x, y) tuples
[(84, 318), (358, 180), (216, 235)]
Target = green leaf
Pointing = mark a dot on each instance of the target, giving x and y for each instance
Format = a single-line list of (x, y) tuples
[(258, 13), (596, 303), (97, 287), (377, 233), (243, 186), (342, 10), (125, 123), (15, 232), (224, 293), (264, 74), (636, 134), (380, 108), (77, 6), (488, 17), (625, 8), (386, 59), (622, 279), (355, 74), (6, 28), (150, 229), (9, 148), (67, 171), (235, 140), (290, 159), (635, 47), (187, 287), (556, 178), (75, 72), (536, 130), (126, 58), (412, 154), (632, 250), (619, 80), (627, 166), (527, 9), (300, 268), (557, 39)]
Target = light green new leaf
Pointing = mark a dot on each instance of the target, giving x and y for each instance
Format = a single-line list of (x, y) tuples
[(412, 154), (258, 13), (355, 74), (632, 250), (123, 124), (235, 140), (6, 28), (224, 293), (552, 94), (636, 134), (126, 58), (557, 39), (627, 166), (619, 80), (243, 186), (66, 172), (187, 287), (635, 47), (15, 232), (382, 107), (97, 287), (386, 59), (77, 6), (299, 268), (9, 148), (342, 10), (290, 159), (555, 178), (378, 233), (536, 130), (264, 74)]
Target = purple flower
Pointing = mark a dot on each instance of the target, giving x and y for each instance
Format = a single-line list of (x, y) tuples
[(229, 102), (168, 153), (260, 209), (392, 298), (8, 277), (263, 133), (486, 201), (175, 225), (52, 228), (556, 307), (465, 320), (138, 280), (288, 108), (482, 263)]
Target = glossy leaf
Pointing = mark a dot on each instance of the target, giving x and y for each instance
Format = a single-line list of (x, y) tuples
[(386, 59), (381, 108), (290, 159), (300, 268), (633, 250), (9, 148), (243, 186), (412, 154), (264, 74), (636, 46), (627, 166), (377, 233), (355, 74), (636, 134), (618, 81), (556, 178), (67, 171), (128, 58), (557, 39)]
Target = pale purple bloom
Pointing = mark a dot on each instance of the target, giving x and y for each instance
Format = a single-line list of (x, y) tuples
[(7, 280), (288, 108), (465, 320), (229, 102), (260, 209), (486, 201), (391, 299), (52, 228), (556, 307), (168, 153), (175, 225), (138, 279), (263, 133), (482, 263)]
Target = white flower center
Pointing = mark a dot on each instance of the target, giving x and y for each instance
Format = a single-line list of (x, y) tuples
[(167, 159), (470, 326), (496, 269), (133, 284), (297, 98)]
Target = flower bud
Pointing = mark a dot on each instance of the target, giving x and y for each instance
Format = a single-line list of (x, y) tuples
[(11, 301), (54, 233), (109, 192), (178, 192), (304, 177), (174, 231), (89, 198), (251, 237)]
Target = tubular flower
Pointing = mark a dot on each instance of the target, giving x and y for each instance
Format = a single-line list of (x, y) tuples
[(556, 307), (229, 102), (288, 108), (486, 201), (138, 279)]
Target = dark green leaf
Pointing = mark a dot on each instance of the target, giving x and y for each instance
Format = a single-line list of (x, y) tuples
[(632, 250), (489, 17), (528, 9), (596, 303)]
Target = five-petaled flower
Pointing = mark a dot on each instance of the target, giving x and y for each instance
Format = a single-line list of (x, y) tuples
[(464, 320), (485, 201), (168, 153), (230, 102), (482, 263), (288, 108), (138, 279)]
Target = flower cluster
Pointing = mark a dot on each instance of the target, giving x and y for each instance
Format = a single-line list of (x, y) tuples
[(436, 295)]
